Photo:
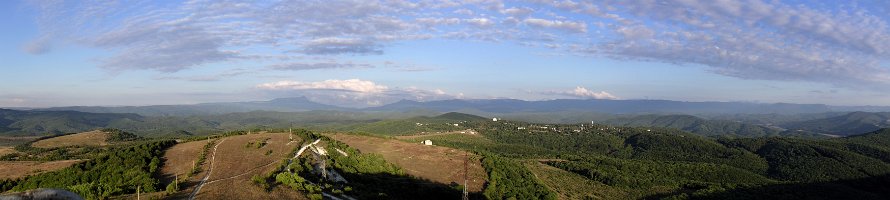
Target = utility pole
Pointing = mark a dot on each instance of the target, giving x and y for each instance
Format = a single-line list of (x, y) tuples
[(466, 195), (137, 192)]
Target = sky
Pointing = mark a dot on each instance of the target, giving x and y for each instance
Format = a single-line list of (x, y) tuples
[(367, 53)]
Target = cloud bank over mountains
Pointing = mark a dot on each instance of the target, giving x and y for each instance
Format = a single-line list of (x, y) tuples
[(846, 45), (353, 92)]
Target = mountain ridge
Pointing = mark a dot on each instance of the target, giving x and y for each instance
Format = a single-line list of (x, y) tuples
[(291, 104), (477, 106), (848, 124)]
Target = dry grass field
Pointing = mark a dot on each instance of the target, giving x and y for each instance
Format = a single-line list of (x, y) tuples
[(435, 163), (18, 169), (179, 159), (92, 138), (6, 141), (6, 150), (235, 164)]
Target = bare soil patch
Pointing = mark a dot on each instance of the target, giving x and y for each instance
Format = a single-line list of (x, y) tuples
[(435, 163), (92, 138), (18, 169), (236, 163)]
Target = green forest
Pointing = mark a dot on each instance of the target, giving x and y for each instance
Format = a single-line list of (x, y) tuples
[(670, 163), (624, 162), (120, 170)]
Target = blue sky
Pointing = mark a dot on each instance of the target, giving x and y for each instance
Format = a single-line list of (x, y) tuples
[(367, 53)]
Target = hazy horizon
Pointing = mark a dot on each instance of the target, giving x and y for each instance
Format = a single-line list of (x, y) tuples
[(465, 99)]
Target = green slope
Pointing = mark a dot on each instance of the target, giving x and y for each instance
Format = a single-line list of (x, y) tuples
[(850, 124)]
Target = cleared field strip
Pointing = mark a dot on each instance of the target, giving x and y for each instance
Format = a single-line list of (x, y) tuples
[(7, 141), (238, 159), (6, 150), (439, 164), (179, 159), (18, 169), (92, 138), (209, 171)]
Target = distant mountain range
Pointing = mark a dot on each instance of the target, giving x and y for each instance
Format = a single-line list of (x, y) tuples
[(295, 104), (487, 106), (38, 123), (734, 119)]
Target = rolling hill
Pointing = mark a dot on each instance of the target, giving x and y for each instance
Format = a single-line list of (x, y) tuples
[(697, 125), (34, 123), (656, 163), (41, 123), (442, 123), (617, 162), (850, 124)]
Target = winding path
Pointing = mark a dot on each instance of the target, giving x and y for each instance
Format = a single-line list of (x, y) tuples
[(209, 171), (242, 174)]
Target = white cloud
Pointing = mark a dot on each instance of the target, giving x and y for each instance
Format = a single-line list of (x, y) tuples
[(518, 12), (351, 92), (437, 21), (765, 40), (480, 22), (209, 78), (333, 45), (570, 26), (320, 65), (352, 85), (464, 11), (584, 93)]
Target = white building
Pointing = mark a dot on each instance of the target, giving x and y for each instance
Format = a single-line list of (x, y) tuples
[(427, 142), (494, 119)]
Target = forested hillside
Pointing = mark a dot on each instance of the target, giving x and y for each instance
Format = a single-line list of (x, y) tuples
[(624, 162), (664, 162), (42, 123), (849, 124), (119, 171), (39, 123), (697, 125), (441, 123)]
